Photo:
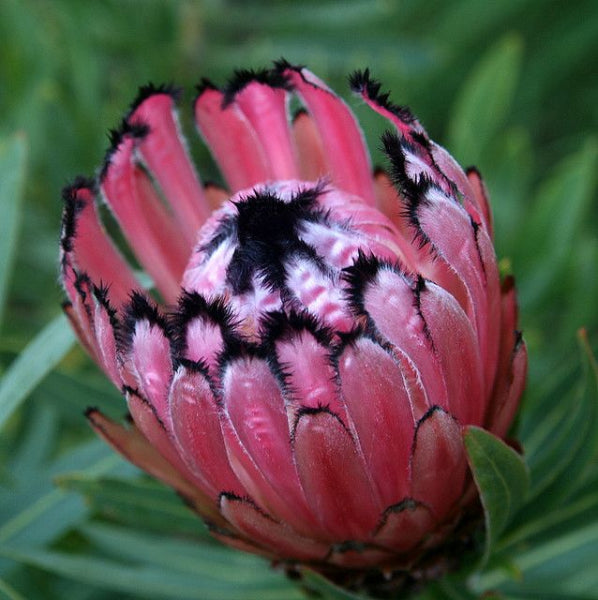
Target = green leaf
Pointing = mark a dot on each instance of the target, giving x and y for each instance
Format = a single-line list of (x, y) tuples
[(186, 556), (546, 595), (138, 503), (501, 478), (41, 355), (562, 564), (565, 441), (152, 581), (448, 588), (6, 591), (558, 212), (546, 523), (12, 177), (35, 512), (485, 99), (329, 591), (508, 181)]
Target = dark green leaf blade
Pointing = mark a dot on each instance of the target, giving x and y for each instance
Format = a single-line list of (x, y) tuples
[(559, 209), (565, 564), (485, 99), (8, 592), (42, 354), (150, 581), (138, 502), (12, 177), (326, 589), (561, 450), (181, 555)]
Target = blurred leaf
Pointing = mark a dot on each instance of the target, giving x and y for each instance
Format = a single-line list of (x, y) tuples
[(558, 212), (511, 157), (564, 442), (154, 581), (582, 271), (34, 512), (547, 595), (549, 524), (186, 556), (447, 589), (501, 478), (37, 441), (485, 100), (139, 502), (546, 568), (12, 177), (33, 364), (7, 592), (553, 545), (329, 591)]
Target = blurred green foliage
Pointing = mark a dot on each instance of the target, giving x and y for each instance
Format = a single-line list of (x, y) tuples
[(510, 86)]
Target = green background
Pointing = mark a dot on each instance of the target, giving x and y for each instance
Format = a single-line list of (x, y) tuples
[(510, 86)]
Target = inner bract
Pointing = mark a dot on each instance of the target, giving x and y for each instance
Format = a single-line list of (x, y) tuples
[(284, 246)]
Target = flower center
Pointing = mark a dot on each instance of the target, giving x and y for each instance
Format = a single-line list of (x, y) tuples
[(283, 247)]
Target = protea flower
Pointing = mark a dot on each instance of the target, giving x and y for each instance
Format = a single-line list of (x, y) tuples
[(322, 335)]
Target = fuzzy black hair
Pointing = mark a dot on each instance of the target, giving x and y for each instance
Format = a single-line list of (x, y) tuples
[(151, 89), (364, 269), (279, 325), (139, 308), (413, 191), (101, 294), (73, 205), (130, 391), (267, 230), (362, 83), (273, 78), (227, 228), (191, 306), (282, 64), (136, 130)]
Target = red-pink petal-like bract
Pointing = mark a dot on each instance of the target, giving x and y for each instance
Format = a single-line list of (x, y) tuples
[(324, 332)]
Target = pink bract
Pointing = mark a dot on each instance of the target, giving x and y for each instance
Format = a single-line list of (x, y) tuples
[(323, 334)]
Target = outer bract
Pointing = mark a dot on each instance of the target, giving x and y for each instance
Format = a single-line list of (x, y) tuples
[(323, 333)]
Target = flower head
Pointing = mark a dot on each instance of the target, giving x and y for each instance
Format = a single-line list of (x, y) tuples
[(322, 333)]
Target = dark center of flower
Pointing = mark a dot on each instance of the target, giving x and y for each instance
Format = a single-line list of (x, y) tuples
[(284, 247), (268, 234)]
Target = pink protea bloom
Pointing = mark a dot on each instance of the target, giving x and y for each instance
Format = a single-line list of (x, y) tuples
[(323, 334)]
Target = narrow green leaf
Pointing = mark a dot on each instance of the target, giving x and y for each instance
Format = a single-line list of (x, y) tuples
[(212, 561), (484, 102), (41, 355), (546, 595), (150, 581), (553, 224), (329, 591), (12, 177), (565, 450), (39, 512), (142, 503), (511, 157), (6, 591), (546, 522), (553, 560), (30, 457), (448, 588), (501, 478)]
